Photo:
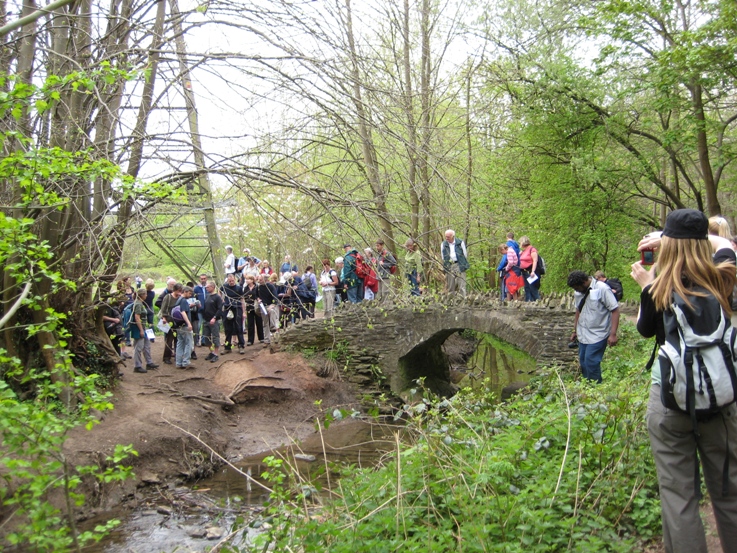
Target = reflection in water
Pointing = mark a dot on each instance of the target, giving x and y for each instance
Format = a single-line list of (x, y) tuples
[(179, 519), (350, 442), (498, 365)]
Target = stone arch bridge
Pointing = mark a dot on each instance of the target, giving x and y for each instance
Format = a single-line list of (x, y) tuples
[(395, 344)]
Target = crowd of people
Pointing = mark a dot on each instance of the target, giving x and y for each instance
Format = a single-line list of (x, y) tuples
[(257, 300)]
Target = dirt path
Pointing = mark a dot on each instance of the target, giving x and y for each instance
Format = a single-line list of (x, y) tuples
[(159, 415)]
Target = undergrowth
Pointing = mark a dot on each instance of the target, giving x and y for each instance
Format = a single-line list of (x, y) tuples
[(564, 467)]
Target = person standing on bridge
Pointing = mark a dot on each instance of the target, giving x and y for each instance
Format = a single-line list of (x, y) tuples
[(287, 267), (413, 266), (232, 314), (341, 294), (386, 266), (329, 281), (353, 284), (596, 322), (229, 264), (455, 263), (211, 316)]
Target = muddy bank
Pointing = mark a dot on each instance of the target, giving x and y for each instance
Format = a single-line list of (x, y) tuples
[(180, 423)]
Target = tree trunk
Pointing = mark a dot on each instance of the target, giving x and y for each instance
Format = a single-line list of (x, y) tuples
[(114, 249), (367, 144), (205, 192), (712, 202), (425, 129), (25, 75), (411, 126), (117, 34)]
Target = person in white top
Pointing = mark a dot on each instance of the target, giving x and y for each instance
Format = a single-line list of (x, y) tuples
[(229, 261), (251, 268), (329, 281)]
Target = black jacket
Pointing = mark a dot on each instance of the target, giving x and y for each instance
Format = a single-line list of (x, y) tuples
[(232, 296), (213, 307), (250, 295), (267, 293)]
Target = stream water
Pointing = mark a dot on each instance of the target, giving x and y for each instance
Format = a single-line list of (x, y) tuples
[(195, 519), (498, 366)]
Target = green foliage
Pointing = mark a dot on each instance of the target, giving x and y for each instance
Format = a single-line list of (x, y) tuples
[(564, 467), (42, 400), (339, 352), (35, 468)]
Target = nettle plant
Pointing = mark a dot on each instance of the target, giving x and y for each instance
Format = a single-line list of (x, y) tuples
[(41, 485)]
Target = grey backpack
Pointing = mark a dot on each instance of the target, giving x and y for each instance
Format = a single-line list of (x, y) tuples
[(697, 361)]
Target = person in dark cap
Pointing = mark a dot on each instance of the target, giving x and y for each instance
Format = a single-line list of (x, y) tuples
[(595, 324), (353, 284), (693, 271)]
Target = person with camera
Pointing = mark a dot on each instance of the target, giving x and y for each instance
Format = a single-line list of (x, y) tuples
[(595, 324), (211, 316), (686, 297)]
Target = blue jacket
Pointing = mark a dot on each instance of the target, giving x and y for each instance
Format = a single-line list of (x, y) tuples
[(513, 244), (200, 294)]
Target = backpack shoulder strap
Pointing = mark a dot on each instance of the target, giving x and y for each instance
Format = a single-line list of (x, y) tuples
[(583, 300)]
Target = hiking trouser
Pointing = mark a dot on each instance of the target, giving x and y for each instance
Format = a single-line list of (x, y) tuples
[(384, 286), (328, 299), (674, 446), (273, 311), (355, 294), (142, 352), (589, 357), (455, 280), (185, 342), (532, 291), (414, 283), (254, 325), (233, 328), (170, 343)]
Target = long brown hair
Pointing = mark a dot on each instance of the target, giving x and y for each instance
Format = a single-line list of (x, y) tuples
[(684, 263)]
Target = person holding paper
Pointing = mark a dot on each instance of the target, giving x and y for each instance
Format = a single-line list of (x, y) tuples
[(141, 343), (528, 263)]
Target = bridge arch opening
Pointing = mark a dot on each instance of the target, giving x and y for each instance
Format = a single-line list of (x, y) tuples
[(430, 362)]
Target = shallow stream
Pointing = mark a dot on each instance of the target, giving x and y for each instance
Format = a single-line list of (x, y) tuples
[(194, 519), (498, 366)]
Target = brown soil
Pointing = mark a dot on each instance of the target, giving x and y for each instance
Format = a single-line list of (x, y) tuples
[(178, 435)]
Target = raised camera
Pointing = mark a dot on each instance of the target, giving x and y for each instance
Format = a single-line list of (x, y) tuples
[(647, 257)]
